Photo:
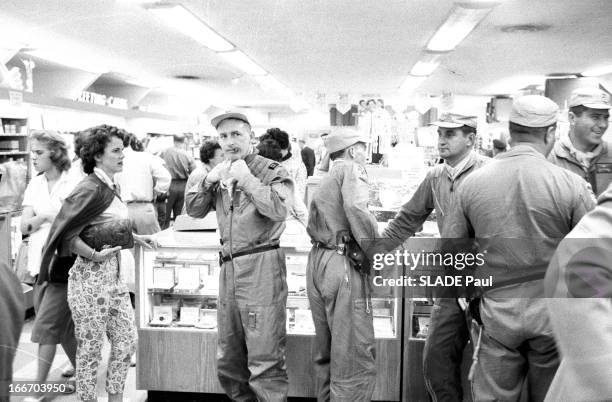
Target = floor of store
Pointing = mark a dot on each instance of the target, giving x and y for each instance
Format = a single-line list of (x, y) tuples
[(25, 365)]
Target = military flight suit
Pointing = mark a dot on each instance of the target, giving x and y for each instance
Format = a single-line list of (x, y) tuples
[(448, 331), (339, 302), (252, 287), (526, 205), (598, 174)]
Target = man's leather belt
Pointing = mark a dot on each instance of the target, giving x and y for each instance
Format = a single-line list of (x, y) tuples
[(318, 244), (139, 202), (255, 250)]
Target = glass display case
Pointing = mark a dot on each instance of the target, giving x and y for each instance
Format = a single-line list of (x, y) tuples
[(180, 285), (177, 290)]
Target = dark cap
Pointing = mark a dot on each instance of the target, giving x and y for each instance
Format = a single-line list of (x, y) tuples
[(225, 116)]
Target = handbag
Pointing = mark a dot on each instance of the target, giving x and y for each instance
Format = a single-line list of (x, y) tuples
[(21, 264), (113, 233)]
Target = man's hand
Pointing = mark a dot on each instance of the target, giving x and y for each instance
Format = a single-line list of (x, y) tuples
[(218, 172), (240, 171)]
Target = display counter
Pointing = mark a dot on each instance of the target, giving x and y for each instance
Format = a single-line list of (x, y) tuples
[(177, 287)]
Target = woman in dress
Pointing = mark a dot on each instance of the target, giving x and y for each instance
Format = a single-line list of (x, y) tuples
[(42, 201)]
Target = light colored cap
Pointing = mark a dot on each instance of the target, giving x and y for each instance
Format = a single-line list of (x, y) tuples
[(534, 111), (231, 115), (590, 97), (455, 121), (342, 138)]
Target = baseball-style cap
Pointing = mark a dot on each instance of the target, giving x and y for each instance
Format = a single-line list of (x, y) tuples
[(342, 138), (590, 97), (231, 115), (455, 121), (534, 111)]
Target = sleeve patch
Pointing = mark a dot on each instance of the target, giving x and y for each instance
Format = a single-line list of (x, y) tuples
[(273, 165)]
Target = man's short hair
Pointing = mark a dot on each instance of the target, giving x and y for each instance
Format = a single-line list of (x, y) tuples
[(578, 110)]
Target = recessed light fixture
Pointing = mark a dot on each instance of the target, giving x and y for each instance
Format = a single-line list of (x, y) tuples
[(462, 20), (179, 18), (597, 71), (243, 62)]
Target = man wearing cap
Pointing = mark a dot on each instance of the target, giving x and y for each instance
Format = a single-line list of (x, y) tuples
[(252, 196), (338, 293), (521, 206), (180, 164), (583, 151), (448, 332)]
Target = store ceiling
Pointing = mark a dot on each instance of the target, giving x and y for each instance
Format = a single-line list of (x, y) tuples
[(328, 46)]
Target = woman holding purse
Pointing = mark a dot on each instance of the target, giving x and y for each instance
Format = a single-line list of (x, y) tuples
[(42, 201), (93, 224)]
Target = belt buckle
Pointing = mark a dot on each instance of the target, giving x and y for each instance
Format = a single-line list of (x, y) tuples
[(220, 259)]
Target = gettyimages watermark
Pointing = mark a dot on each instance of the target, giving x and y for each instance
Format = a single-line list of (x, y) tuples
[(436, 267)]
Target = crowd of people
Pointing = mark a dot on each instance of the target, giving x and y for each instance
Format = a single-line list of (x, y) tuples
[(83, 215)]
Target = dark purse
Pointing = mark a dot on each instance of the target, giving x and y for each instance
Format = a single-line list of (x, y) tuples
[(114, 233)]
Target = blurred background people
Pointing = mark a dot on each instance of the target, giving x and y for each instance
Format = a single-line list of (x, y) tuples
[(295, 167), (143, 177), (42, 201), (308, 157), (180, 164), (210, 156)]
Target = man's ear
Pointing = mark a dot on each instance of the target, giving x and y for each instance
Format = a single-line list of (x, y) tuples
[(571, 118), (550, 136)]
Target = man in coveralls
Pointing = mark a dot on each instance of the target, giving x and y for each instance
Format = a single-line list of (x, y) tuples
[(523, 206), (251, 196), (584, 151), (339, 294), (448, 331)]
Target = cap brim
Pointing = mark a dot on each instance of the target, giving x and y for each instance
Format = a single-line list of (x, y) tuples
[(596, 105), (235, 116), (446, 124)]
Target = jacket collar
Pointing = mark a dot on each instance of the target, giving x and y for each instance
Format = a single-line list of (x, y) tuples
[(472, 158), (521, 150), (562, 150)]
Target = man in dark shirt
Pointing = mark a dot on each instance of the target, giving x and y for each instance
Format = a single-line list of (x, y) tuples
[(308, 157), (180, 164)]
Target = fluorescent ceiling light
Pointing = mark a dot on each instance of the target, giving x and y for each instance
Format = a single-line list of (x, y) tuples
[(268, 82), (412, 82), (457, 26), (184, 21), (594, 72), (243, 62), (424, 68), (73, 58)]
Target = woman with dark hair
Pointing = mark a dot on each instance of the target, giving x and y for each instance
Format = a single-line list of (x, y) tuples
[(210, 156), (42, 201), (296, 169), (93, 224), (270, 149)]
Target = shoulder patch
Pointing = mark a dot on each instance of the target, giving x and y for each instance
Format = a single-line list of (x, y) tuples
[(273, 165)]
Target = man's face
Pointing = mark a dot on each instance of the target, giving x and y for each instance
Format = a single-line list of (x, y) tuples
[(234, 138), (359, 153), (452, 143), (590, 126)]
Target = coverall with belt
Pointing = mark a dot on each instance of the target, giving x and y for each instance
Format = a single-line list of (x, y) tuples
[(252, 286), (338, 294)]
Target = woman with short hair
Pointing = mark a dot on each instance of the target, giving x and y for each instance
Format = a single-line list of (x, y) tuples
[(93, 223), (42, 201)]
